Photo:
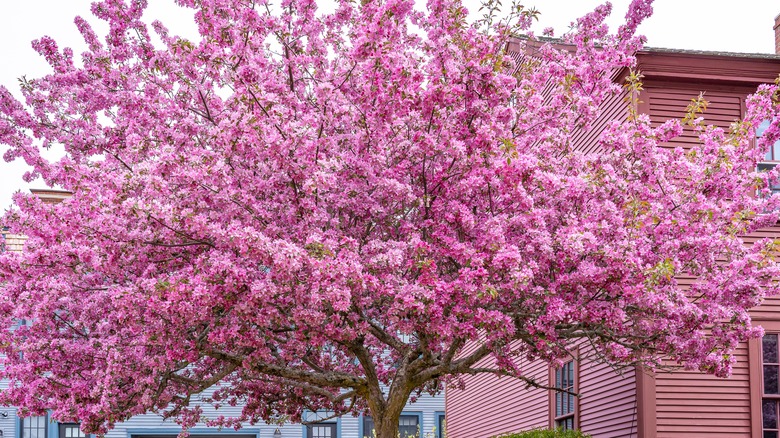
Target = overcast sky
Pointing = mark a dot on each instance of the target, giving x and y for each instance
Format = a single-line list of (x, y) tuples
[(721, 25)]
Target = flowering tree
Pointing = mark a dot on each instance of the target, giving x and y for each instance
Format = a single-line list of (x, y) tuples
[(337, 212)]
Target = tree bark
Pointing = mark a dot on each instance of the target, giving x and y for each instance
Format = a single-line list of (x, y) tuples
[(386, 412)]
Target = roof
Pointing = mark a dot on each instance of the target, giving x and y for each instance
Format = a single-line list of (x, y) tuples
[(771, 56)]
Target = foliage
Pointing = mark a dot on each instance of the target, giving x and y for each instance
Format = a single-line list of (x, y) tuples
[(336, 212), (547, 433)]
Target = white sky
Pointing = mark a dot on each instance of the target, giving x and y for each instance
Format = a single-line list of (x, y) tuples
[(721, 25)]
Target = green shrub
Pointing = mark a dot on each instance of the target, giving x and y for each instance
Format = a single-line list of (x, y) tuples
[(547, 433)]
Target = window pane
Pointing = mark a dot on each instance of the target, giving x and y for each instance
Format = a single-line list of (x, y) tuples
[(71, 430), (368, 427), (323, 431), (769, 414), (770, 379), (565, 424), (34, 427), (565, 402), (407, 431), (407, 426), (776, 150), (768, 434), (407, 420), (761, 128), (773, 153)]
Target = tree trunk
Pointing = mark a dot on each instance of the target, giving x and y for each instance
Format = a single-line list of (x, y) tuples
[(387, 428), (386, 412)]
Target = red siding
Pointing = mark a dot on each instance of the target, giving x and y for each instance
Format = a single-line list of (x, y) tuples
[(613, 108), (692, 404), (490, 406), (608, 403), (770, 308), (682, 404), (671, 103)]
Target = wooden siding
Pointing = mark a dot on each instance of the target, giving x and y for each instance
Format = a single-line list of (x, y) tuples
[(489, 406), (348, 425), (709, 69), (156, 425), (51, 196), (692, 404), (12, 242), (608, 401), (680, 404), (770, 308), (671, 103), (613, 108)]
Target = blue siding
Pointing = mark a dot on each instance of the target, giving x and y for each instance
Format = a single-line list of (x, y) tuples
[(426, 408)]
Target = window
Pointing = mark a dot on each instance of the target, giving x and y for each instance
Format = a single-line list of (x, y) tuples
[(321, 430), (71, 430), (770, 393), (176, 435), (772, 157), (408, 426), (441, 425), (34, 427), (773, 154), (368, 427), (565, 403)]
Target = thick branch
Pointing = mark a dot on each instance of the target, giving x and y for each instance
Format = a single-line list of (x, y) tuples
[(328, 379)]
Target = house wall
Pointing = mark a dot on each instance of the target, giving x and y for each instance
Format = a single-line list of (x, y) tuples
[(614, 107), (668, 100), (769, 310), (426, 406), (489, 405), (608, 400), (11, 242), (730, 407), (679, 404), (348, 426), (691, 404)]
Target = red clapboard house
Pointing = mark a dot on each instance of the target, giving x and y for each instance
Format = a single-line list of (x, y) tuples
[(630, 402)]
